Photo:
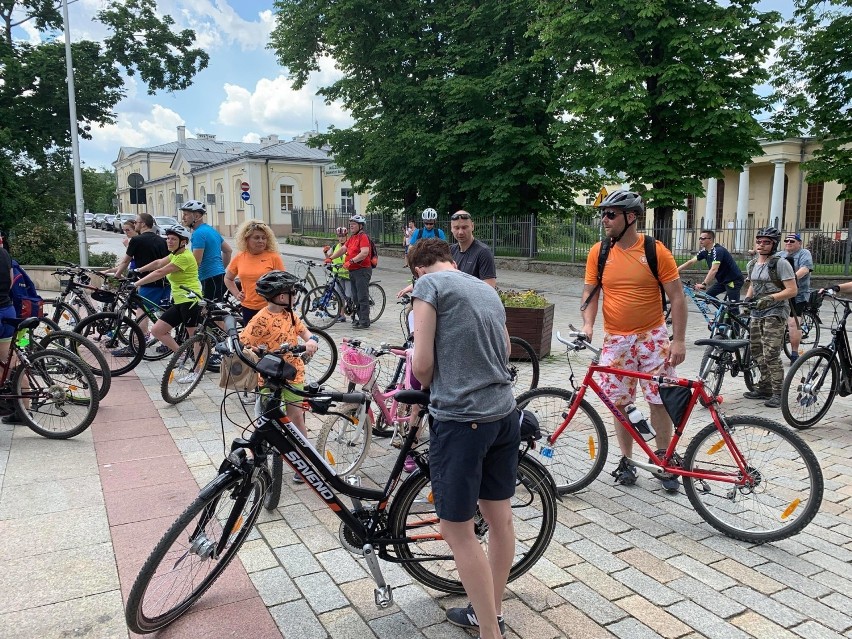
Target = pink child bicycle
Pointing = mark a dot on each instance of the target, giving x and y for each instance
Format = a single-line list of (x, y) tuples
[(345, 438)]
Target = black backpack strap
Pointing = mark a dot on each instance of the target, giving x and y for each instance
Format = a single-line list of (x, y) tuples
[(604, 252), (651, 257)]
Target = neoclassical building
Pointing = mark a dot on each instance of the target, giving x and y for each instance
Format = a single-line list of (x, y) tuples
[(280, 177)]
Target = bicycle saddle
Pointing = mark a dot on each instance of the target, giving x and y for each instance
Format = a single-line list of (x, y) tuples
[(727, 345)]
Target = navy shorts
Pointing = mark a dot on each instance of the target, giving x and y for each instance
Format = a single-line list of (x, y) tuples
[(155, 295), (7, 331), (469, 461)]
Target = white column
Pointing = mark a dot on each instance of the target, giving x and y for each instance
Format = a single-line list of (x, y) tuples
[(710, 208), (679, 227), (776, 207), (742, 210)]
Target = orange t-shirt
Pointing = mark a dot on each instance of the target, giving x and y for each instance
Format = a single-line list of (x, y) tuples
[(631, 293), (249, 268), (272, 330)]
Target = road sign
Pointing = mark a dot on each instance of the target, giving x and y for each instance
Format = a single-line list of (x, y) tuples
[(600, 198), (135, 180), (246, 196), (245, 187)]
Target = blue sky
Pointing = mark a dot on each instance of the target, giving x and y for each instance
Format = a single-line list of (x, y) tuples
[(242, 95)]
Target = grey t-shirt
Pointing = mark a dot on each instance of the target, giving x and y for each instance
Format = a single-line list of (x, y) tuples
[(477, 260), (801, 258), (762, 285), (471, 378)]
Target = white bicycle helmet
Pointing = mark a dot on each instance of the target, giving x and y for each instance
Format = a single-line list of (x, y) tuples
[(194, 205), (358, 219), (180, 231), (429, 215)]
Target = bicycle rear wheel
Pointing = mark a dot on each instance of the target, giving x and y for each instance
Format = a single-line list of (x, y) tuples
[(412, 516), (320, 365), (344, 440), (578, 455), (751, 370), (194, 552), (321, 311), (378, 299), (86, 350), (523, 365), (787, 489), (810, 387), (62, 393), (714, 364), (185, 369), (62, 314), (810, 325), (120, 341)]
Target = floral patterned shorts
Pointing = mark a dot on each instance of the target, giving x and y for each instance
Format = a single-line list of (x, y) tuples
[(642, 352)]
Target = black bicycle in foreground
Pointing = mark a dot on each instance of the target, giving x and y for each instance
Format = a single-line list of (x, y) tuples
[(396, 523)]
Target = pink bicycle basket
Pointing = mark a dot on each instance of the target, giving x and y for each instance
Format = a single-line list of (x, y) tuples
[(356, 366)]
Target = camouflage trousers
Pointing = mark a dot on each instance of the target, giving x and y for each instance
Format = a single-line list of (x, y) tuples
[(767, 337)]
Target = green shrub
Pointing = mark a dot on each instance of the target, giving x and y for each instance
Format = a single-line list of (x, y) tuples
[(522, 299), (44, 242), (107, 260)]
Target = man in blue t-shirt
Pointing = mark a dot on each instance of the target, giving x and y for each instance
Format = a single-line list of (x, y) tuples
[(211, 252), (430, 218), (722, 267)]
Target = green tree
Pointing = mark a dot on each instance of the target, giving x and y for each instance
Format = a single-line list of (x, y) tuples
[(99, 190), (813, 78), (660, 92), (450, 100)]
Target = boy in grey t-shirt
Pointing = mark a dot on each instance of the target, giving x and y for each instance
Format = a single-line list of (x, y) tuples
[(461, 352), (771, 284)]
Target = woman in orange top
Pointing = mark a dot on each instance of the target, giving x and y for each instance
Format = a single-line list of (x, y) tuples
[(257, 254)]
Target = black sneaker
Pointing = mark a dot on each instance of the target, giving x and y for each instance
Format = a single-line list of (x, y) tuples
[(625, 473), (757, 394), (773, 402), (13, 419), (670, 482), (466, 618)]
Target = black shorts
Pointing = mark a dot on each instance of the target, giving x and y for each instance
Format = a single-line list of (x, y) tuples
[(469, 461), (799, 307), (213, 288), (186, 313)]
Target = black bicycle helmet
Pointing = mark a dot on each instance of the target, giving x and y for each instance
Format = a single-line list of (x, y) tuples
[(272, 284), (771, 233), (622, 199)]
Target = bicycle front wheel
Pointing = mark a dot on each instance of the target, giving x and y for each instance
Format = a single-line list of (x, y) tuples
[(185, 369), (321, 307), (714, 364), (193, 553), (578, 455), (787, 485), (344, 440), (62, 314), (429, 559), (320, 365), (809, 323), (62, 393), (120, 340), (810, 387), (523, 365), (275, 466), (378, 299), (86, 350)]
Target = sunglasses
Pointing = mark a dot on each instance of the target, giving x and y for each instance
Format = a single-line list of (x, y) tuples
[(790, 241), (429, 223), (256, 225), (460, 216), (763, 242), (610, 215), (705, 238)]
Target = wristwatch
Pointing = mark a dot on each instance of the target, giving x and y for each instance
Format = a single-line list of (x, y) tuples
[(314, 338)]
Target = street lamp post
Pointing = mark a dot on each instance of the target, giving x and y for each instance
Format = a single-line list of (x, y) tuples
[(75, 144)]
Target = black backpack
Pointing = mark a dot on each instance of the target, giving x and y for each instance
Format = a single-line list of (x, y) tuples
[(650, 255)]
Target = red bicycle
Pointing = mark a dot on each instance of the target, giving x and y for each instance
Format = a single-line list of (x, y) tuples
[(747, 476)]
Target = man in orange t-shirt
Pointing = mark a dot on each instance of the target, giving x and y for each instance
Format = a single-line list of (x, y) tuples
[(635, 334)]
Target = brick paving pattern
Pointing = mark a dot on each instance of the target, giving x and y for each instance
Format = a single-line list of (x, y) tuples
[(78, 517)]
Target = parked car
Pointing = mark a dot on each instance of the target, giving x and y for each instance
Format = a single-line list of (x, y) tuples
[(88, 217), (99, 220), (108, 222), (162, 223), (120, 219)]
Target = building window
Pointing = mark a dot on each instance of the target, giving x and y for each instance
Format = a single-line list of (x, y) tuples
[(813, 205), (347, 201), (690, 212), (720, 202), (286, 193), (847, 212)]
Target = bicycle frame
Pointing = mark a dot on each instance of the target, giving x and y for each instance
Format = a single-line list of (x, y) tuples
[(661, 465)]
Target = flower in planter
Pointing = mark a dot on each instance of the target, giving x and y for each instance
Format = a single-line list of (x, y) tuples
[(522, 299)]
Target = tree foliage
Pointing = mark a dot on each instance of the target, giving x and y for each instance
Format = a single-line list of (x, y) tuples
[(813, 79), (35, 133), (661, 92), (450, 100)]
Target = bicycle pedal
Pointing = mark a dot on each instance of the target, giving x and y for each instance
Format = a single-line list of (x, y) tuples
[(353, 480), (384, 596)]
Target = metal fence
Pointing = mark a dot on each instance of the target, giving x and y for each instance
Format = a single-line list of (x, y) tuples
[(569, 240)]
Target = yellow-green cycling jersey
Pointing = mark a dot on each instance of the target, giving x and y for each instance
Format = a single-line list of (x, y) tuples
[(337, 262)]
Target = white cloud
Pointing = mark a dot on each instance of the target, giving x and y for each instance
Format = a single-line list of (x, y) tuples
[(218, 25), (156, 126)]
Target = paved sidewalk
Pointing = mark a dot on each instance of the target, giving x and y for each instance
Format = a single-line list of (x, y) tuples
[(78, 517)]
